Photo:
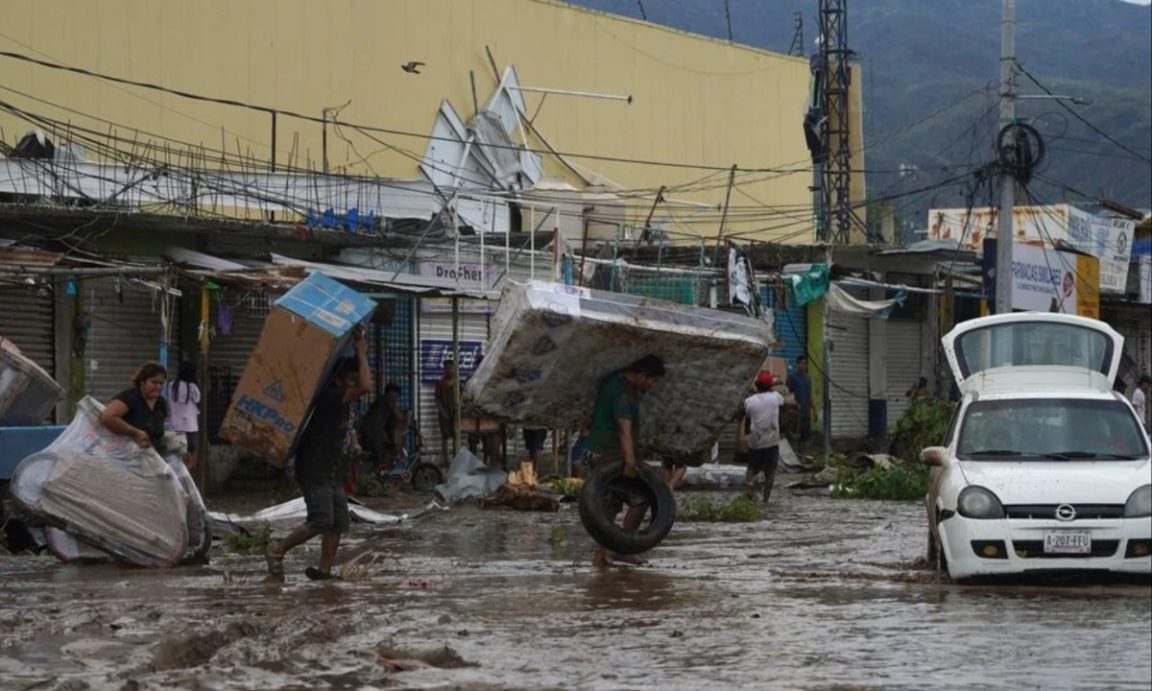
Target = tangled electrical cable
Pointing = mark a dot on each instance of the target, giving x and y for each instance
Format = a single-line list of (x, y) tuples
[(1020, 149)]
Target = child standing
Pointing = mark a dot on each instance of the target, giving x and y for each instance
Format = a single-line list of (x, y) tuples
[(184, 410)]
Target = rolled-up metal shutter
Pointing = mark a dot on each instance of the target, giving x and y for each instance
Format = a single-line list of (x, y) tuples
[(125, 332), (28, 321), (849, 374)]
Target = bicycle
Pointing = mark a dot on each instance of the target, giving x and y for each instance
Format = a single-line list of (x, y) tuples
[(410, 469)]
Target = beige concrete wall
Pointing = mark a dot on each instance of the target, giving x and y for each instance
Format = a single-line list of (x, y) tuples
[(697, 100)]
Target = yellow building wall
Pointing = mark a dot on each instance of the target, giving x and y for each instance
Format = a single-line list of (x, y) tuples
[(696, 100)]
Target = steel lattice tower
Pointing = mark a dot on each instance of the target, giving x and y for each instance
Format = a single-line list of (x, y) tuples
[(836, 70)]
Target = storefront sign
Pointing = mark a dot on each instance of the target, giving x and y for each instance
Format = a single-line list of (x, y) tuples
[(1048, 280), (434, 353), (1109, 239), (470, 275)]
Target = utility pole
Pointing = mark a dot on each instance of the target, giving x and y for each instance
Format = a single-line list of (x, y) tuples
[(1005, 236), (836, 184)]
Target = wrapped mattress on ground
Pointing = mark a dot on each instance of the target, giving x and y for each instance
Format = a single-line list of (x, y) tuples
[(551, 344), (107, 492)]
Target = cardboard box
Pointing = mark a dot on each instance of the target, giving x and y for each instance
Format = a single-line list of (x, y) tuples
[(307, 330)]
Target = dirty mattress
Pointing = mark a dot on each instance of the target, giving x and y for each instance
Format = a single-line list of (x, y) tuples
[(551, 344)]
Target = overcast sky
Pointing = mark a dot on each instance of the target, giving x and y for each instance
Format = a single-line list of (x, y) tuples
[(1139, 2)]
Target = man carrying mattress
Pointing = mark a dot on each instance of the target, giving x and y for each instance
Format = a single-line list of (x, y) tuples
[(614, 432)]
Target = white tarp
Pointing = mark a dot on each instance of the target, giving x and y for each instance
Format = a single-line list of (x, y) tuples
[(839, 300), (469, 478), (295, 510)]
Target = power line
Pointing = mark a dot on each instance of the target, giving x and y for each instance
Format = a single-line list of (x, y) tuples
[(1080, 117)]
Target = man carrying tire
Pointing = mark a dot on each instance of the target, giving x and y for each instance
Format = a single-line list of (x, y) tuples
[(613, 433)]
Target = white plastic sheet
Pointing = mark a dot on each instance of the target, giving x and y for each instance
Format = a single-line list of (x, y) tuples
[(295, 510), (469, 478)]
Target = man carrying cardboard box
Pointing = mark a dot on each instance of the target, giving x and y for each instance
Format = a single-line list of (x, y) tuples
[(317, 458)]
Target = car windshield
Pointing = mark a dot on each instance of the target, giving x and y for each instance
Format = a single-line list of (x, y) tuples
[(1050, 429)]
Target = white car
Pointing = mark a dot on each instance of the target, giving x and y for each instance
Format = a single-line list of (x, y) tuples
[(1046, 469)]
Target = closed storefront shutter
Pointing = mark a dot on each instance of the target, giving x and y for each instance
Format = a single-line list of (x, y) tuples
[(904, 361), (236, 318), (849, 374), (437, 326), (27, 321), (791, 321), (125, 332)]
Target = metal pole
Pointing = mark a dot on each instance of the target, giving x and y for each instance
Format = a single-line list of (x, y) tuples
[(456, 339), (826, 367), (205, 348), (1005, 237), (567, 92), (456, 379), (324, 138)]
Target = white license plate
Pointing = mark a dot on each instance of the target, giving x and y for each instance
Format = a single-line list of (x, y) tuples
[(1068, 542)]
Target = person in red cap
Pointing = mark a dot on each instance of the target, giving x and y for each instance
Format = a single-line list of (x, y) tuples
[(762, 421)]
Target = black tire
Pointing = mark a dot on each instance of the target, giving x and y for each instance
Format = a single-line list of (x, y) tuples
[(606, 481), (425, 477)]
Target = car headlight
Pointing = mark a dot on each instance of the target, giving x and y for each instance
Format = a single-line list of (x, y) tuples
[(1139, 504), (977, 502)]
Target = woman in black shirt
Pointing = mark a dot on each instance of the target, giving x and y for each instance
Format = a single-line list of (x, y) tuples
[(140, 412)]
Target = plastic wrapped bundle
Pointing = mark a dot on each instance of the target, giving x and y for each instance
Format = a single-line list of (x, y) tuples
[(27, 392), (108, 492), (551, 344)]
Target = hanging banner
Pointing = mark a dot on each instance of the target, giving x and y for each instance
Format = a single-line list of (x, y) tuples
[(742, 281)]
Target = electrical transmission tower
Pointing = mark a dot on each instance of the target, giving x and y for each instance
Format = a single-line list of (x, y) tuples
[(836, 71), (797, 47)]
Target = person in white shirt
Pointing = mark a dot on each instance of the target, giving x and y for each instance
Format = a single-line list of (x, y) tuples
[(1140, 399), (184, 410), (762, 425)]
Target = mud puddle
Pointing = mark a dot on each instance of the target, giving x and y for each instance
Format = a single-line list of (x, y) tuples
[(819, 594)]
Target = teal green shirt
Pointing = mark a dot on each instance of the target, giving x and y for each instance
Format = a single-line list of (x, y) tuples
[(614, 401)]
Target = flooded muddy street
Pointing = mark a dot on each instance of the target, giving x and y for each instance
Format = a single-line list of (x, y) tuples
[(821, 594)]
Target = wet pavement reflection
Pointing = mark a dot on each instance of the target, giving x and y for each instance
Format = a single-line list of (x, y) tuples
[(820, 594)]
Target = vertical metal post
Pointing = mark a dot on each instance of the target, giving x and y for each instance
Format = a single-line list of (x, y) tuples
[(825, 369), (456, 379), (456, 338), (272, 159), (1005, 237), (324, 138), (205, 344)]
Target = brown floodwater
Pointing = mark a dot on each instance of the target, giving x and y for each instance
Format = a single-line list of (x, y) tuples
[(820, 594)]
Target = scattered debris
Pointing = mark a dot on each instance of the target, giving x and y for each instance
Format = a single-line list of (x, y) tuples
[(521, 499), (399, 660)]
